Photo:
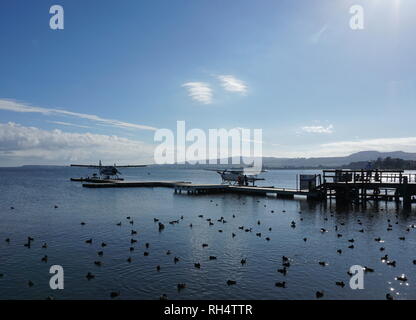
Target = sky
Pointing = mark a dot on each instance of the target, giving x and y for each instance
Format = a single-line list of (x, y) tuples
[(120, 70)]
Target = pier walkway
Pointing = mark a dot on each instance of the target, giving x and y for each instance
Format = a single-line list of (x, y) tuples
[(194, 189), (346, 186), (132, 184)]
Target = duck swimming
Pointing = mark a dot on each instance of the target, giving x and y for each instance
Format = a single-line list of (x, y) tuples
[(89, 276), (282, 271), (402, 278), (391, 263), (181, 286), (367, 269)]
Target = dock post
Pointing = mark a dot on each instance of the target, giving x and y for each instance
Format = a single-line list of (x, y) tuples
[(407, 199), (364, 197)]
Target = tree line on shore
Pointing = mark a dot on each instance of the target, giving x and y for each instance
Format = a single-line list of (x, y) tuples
[(383, 163)]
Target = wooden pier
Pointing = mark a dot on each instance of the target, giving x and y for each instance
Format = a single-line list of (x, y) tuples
[(195, 189), (359, 186), (132, 184), (345, 186), (96, 180)]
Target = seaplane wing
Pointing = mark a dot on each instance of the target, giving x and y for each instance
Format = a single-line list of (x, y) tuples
[(85, 166), (234, 170), (132, 166), (94, 166)]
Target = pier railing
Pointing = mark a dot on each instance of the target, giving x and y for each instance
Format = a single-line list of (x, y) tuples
[(368, 176)]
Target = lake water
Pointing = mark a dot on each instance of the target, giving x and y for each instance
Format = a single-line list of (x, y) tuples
[(34, 192)]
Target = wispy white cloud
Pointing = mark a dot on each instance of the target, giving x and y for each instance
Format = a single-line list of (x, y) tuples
[(318, 129), (314, 38), (28, 145), (68, 124), (407, 144), (232, 84), (344, 148), (199, 91), (14, 106)]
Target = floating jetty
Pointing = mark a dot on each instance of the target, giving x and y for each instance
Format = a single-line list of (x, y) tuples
[(345, 186), (195, 189), (219, 188), (132, 184), (96, 180)]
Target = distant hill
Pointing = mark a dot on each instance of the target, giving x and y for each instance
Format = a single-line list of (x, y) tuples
[(386, 163), (322, 162), (326, 162)]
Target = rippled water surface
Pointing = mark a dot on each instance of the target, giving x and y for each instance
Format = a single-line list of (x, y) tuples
[(34, 192)]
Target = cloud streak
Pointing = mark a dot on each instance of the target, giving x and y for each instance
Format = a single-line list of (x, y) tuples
[(199, 91), (232, 84), (13, 106), (67, 124), (314, 39), (21, 145), (318, 129)]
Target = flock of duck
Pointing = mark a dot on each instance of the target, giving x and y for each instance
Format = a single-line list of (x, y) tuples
[(285, 261)]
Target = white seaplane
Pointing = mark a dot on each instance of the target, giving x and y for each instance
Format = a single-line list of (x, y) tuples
[(104, 172), (237, 176)]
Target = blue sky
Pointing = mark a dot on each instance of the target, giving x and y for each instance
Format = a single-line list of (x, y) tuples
[(119, 69)]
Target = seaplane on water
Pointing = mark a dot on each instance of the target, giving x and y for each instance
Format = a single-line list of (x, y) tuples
[(237, 176), (105, 172)]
